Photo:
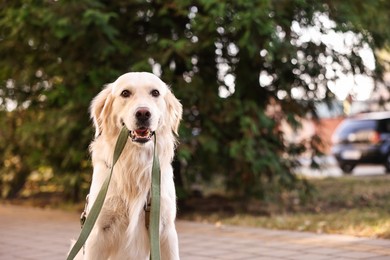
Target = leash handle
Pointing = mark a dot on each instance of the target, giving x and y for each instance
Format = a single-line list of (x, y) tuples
[(98, 204)]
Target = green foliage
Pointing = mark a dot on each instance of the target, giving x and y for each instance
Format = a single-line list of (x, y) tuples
[(56, 55)]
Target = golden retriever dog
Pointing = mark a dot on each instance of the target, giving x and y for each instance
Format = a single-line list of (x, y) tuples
[(146, 106)]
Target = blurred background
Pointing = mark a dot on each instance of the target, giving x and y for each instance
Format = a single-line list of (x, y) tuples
[(263, 85)]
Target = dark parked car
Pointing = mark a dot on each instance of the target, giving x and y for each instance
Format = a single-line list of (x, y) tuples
[(363, 139)]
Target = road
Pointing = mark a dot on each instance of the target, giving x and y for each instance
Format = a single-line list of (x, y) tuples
[(330, 169)]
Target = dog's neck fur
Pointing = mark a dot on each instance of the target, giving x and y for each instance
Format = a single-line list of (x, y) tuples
[(129, 176)]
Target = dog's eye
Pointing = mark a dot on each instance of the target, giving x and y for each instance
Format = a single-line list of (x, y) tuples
[(155, 93), (125, 93)]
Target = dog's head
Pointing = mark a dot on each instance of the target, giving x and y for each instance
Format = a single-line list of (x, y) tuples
[(140, 101)]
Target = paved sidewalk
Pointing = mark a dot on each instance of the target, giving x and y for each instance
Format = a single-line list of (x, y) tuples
[(28, 233)]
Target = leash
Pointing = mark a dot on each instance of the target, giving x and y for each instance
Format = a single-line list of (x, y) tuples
[(154, 222), (98, 204)]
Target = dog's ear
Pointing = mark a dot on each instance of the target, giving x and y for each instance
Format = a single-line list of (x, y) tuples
[(175, 111), (99, 107)]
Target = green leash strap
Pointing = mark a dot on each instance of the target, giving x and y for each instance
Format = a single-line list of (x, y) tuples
[(154, 229), (154, 222), (98, 204)]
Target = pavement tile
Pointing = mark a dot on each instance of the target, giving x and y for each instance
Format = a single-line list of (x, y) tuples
[(237, 255), (293, 246), (359, 255), (377, 242), (324, 250), (383, 251), (279, 253), (383, 257), (309, 256)]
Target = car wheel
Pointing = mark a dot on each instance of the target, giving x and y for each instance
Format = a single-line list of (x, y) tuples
[(387, 164), (347, 168)]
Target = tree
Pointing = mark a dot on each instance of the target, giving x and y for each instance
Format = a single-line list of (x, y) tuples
[(56, 55)]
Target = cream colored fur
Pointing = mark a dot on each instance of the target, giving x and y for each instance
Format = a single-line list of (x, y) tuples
[(120, 231)]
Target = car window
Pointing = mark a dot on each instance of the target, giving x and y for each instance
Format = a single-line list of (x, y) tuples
[(352, 130), (353, 126)]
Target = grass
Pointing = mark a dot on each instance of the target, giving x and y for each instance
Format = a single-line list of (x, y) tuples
[(366, 223), (352, 205)]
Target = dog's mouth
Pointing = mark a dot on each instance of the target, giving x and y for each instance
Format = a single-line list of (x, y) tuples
[(141, 135)]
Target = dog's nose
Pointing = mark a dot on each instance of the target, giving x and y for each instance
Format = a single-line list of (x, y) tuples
[(143, 114)]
